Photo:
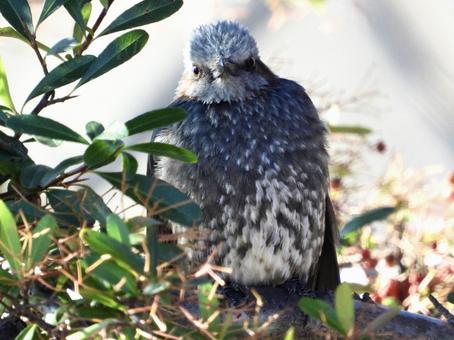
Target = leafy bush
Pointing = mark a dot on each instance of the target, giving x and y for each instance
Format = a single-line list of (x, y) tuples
[(70, 266)]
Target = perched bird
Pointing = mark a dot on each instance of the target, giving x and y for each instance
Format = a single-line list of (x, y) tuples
[(262, 172)]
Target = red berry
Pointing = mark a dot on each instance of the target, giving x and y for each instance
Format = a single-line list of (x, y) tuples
[(390, 260), (451, 179), (336, 183), (380, 146), (365, 253)]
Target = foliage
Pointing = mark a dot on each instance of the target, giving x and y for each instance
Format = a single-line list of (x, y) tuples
[(70, 266), (341, 318)]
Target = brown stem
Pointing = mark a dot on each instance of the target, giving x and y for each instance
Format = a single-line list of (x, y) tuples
[(91, 34), (35, 47)]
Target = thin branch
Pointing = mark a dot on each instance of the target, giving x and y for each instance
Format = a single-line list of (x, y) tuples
[(91, 33)]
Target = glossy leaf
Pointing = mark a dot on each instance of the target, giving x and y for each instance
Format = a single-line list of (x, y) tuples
[(102, 152), (167, 150), (18, 14), (366, 218), (7, 279), (49, 7), (320, 310), (28, 333), (155, 288), (54, 173), (63, 74), (41, 239), (62, 46), (5, 95), (94, 129), (32, 175), (344, 306), (143, 13), (129, 164), (9, 32), (78, 31), (170, 202), (104, 244), (111, 273), (155, 119), (53, 143), (73, 208), (31, 211), (114, 131), (90, 331), (97, 313), (116, 53), (43, 127), (451, 297), (357, 130), (117, 229), (10, 246), (74, 8)]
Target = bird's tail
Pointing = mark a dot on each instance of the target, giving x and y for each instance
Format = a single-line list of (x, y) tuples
[(326, 276)]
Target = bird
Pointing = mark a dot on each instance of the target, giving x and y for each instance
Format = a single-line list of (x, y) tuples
[(262, 178)]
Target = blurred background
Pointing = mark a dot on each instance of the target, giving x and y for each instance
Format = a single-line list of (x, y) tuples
[(384, 66)]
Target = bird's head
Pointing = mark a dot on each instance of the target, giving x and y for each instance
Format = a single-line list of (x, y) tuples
[(222, 64)]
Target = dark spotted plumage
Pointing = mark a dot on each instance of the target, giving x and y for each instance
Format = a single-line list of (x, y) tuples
[(262, 175)]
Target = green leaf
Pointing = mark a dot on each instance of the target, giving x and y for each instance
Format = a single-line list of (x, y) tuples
[(122, 254), (143, 13), (9, 32), (94, 129), (90, 331), (102, 152), (18, 14), (290, 334), (167, 150), (63, 74), (53, 143), (381, 321), (366, 218), (7, 279), (62, 46), (320, 310), (43, 127), (116, 53), (344, 306), (155, 288), (208, 306), (49, 7), (31, 211), (114, 131), (73, 208), (357, 130), (41, 240), (28, 333), (10, 245), (155, 119), (117, 229), (104, 3), (170, 202), (111, 273), (97, 313), (130, 164), (5, 95), (78, 31), (74, 8), (32, 175), (54, 173)]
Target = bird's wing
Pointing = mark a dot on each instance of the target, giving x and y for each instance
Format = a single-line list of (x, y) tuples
[(326, 274)]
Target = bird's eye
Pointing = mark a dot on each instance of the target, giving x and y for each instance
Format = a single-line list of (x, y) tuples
[(250, 64), (196, 70)]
